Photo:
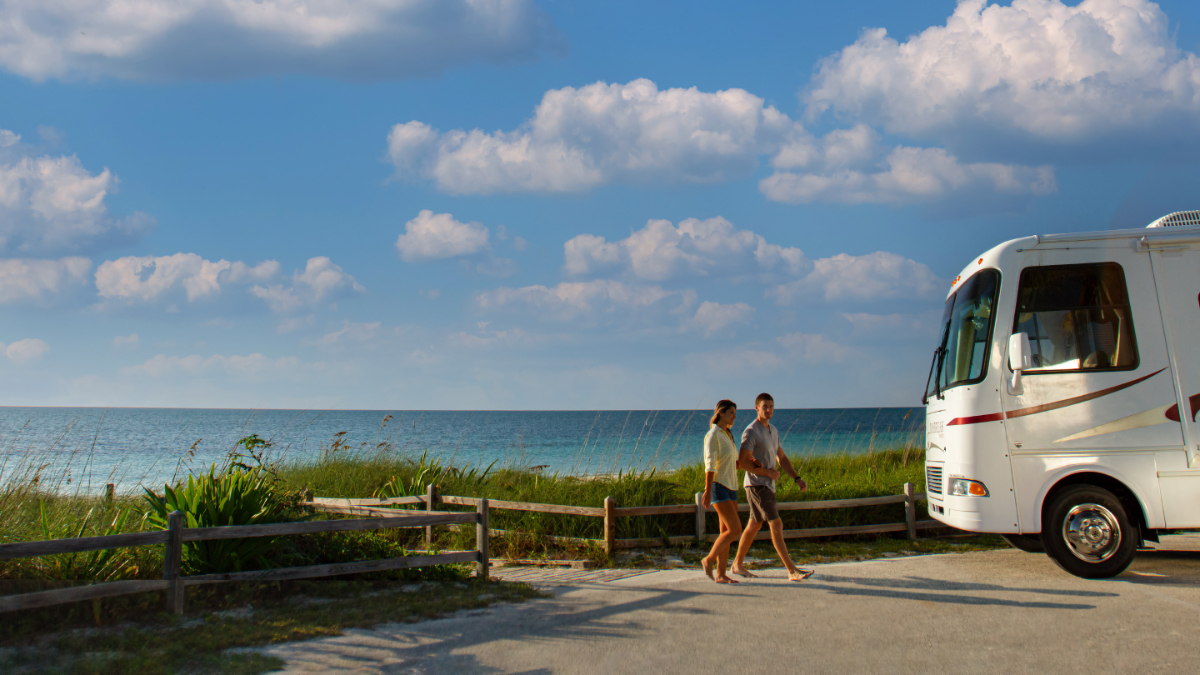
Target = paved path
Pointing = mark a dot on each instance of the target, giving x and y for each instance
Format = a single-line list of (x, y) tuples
[(987, 612)]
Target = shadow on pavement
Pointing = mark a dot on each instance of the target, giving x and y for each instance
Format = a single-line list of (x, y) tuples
[(923, 583), (1164, 567), (899, 589)]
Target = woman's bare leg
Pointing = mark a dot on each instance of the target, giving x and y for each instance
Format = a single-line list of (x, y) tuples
[(731, 529)]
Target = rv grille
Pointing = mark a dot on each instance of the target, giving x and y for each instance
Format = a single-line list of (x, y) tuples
[(933, 479), (1178, 219)]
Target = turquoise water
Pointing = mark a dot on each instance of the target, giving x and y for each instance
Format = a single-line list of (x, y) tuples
[(84, 448)]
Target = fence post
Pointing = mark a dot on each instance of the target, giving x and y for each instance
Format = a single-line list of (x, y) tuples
[(431, 493), (110, 493), (173, 561), (483, 539), (700, 518), (610, 525), (910, 511)]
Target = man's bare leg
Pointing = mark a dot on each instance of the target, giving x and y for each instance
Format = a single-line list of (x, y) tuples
[(744, 544), (781, 548)]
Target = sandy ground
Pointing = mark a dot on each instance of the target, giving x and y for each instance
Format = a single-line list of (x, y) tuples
[(984, 612)]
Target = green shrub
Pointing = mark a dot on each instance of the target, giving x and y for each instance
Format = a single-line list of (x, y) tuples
[(232, 496)]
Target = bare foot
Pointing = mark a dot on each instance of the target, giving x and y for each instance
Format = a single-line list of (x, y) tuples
[(707, 565), (722, 579), (742, 571), (800, 575)]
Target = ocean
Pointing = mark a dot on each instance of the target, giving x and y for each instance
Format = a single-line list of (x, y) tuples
[(82, 449)]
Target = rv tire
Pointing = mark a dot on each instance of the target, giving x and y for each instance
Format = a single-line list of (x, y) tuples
[(1030, 543), (1088, 533)]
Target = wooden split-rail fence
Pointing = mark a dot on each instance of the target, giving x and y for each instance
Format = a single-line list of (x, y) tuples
[(610, 512), (177, 534), (381, 516)]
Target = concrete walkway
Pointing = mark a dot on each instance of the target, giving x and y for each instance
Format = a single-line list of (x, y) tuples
[(988, 612)]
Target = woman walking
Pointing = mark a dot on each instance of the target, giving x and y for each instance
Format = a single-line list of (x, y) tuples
[(720, 487)]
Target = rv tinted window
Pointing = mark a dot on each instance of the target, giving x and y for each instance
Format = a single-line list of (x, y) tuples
[(1077, 318)]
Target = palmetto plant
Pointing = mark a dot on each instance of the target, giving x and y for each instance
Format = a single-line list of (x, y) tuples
[(233, 496)]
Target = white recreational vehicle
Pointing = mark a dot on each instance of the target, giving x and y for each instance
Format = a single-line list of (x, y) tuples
[(1063, 396)]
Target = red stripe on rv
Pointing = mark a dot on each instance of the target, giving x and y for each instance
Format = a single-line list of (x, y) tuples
[(994, 417), (1046, 407), (1173, 411)]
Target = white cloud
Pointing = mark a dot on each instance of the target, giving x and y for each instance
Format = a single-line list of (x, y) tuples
[(126, 341), (811, 348), (604, 133), (23, 351), (155, 278), (1038, 70), (486, 338), (909, 175), (597, 134), (240, 273), (219, 39), (713, 317), (432, 236), (660, 251), (28, 279), (876, 276), (194, 364), (148, 278), (587, 299), (53, 203), (351, 332), (321, 280)]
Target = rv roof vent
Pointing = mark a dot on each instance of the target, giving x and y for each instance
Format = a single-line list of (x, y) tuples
[(1178, 219)]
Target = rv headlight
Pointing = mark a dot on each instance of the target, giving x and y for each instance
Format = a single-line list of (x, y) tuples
[(962, 487)]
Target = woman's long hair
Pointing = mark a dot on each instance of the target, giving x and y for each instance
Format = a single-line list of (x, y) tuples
[(722, 405)]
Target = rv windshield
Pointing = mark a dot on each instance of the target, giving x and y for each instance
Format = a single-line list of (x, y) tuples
[(966, 330)]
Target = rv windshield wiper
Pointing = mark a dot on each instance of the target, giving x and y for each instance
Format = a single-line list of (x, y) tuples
[(939, 359), (932, 365)]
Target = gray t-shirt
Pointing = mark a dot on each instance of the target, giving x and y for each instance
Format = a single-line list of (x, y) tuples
[(761, 440)]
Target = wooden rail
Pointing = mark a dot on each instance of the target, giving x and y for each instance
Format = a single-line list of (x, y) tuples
[(610, 512), (177, 533)]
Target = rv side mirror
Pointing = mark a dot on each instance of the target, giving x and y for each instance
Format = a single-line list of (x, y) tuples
[(1018, 360), (1018, 352)]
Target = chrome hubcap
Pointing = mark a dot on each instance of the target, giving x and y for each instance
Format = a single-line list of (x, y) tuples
[(1092, 532)]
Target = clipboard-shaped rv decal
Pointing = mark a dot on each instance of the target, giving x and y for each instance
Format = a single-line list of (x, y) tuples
[(1064, 390)]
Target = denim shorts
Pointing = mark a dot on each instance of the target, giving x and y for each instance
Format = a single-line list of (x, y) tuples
[(720, 493)]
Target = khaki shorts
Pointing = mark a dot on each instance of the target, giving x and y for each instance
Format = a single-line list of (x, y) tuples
[(762, 503)]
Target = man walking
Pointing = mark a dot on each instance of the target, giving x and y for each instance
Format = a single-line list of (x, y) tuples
[(761, 450)]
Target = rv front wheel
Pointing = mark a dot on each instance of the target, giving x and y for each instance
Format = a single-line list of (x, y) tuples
[(1088, 533)]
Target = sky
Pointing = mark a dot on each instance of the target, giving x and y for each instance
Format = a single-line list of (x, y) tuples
[(518, 204)]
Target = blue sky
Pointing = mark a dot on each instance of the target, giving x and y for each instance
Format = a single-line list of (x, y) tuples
[(506, 204)]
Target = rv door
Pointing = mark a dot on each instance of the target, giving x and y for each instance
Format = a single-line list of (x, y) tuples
[(1177, 276)]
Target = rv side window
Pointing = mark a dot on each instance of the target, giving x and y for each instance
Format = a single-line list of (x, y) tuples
[(1077, 318)]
